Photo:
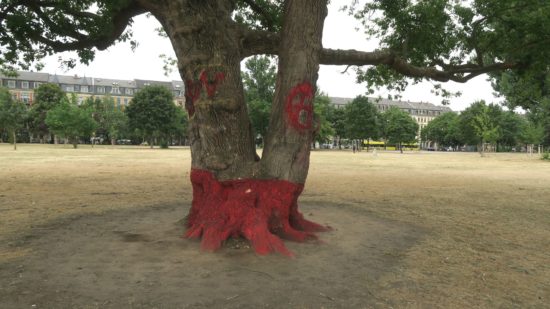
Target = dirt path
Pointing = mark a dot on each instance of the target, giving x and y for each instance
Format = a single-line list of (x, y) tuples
[(134, 259)]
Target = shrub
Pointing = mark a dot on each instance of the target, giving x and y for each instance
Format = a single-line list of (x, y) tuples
[(546, 156), (164, 144)]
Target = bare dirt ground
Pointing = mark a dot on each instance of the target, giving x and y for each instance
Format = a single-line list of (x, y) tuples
[(100, 228)]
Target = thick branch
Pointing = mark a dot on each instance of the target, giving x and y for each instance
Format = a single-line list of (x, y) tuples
[(458, 73), (258, 42)]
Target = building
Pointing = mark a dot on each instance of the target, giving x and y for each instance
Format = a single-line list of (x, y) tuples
[(22, 87), (421, 112)]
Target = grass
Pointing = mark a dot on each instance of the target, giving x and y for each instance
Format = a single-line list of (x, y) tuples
[(487, 219)]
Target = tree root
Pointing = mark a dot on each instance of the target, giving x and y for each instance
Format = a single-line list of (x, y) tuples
[(259, 210)]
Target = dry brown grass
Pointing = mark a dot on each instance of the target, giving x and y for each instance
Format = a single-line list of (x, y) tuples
[(487, 220)]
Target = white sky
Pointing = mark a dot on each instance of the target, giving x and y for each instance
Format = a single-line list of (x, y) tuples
[(120, 62)]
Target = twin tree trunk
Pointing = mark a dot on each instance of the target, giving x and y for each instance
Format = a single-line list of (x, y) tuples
[(236, 193)]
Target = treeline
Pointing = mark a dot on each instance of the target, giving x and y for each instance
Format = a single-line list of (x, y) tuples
[(489, 127), (151, 117)]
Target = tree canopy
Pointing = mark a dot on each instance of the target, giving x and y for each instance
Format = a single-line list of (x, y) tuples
[(440, 40), (12, 114), (152, 112)]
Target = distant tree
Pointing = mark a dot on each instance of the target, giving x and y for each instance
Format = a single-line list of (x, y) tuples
[(152, 112), (337, 119), (259, 88), (111, 121), (68, 120), (322, 109), (400, 127), (531, 134), (180, 125), (46, 97), (443, 130), (362, 119), (12, 114), (510, 127), (479, 125)]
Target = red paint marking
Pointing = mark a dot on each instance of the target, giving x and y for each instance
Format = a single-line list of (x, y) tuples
[(255, 209), (299, 106), (192, 94), (211, 83)]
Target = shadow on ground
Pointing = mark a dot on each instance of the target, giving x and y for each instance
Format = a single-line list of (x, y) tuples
[(136, 259)]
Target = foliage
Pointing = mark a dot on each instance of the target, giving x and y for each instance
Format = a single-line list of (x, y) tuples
[(259, 87), (449, 34), (152, 112), (322, 110), (399, 126), (546, 156), (12, 114), (68, 120), (337, 119), (443, 130), (361, 119), (531, 133), (46, 97), (111, 121)]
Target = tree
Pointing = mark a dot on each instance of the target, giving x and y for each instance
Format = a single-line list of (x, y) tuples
[(361, 120), (152, 112), (111, 121), (322, 110), (46, 97), (235, 192), (400, 127), (259, 87), (337, 119), (531, 134), (443, 130), (479, 126), (70, 121), (12, 114), (180, 125)]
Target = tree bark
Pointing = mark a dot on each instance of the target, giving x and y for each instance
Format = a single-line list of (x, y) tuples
[(234, 192), (14, 140)]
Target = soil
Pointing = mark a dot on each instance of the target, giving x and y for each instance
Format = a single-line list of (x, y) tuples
[(101, 228)]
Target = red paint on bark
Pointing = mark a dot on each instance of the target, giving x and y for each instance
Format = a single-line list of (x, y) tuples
[(211, 81), (192, 94), (256, 209), (299, 107)]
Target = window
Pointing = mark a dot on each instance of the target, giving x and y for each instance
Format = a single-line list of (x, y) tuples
[(125, 101), (25, 97), (101, 89), (36, 85), (129, 91), (11, 84), (69, 88), (83, 88), (25, 85), (115, 90)]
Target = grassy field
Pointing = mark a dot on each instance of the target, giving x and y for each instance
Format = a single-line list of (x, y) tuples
[(482, 225)]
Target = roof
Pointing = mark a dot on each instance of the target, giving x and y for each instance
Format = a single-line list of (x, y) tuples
[(31, 76), (400, 104)]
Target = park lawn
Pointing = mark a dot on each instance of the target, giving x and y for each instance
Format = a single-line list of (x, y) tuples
[(485, 222)]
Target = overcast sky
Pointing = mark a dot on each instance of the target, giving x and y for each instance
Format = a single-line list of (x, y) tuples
[(121, 63)]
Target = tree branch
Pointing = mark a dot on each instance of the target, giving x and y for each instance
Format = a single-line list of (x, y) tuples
[(119, 23), (268, 19), (459, 73)]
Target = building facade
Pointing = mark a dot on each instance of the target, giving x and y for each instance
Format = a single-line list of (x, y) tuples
[(421, 112), (22, 87)]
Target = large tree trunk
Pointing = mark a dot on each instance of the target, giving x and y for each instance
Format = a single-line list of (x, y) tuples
[(234, 192)]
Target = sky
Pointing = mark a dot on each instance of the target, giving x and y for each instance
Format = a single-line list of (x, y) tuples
[(120, 62)]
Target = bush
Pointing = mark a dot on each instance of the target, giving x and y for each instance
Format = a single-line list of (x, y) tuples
[(546, 156), (164, 144)]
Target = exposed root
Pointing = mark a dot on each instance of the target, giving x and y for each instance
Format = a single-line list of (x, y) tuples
[(259, 210)]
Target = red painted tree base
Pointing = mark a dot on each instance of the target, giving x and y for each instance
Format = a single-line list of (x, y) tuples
[(259, 210)]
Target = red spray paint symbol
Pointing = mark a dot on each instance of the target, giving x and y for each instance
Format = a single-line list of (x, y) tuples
[(211, 81), (193, 88), (192, 94), (299, 107)]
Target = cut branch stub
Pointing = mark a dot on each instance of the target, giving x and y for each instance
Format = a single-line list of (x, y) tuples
[(299, 107), (259, 210)]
